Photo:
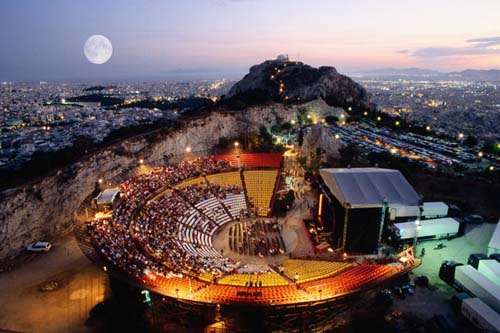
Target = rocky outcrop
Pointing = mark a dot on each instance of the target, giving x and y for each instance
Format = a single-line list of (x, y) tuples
[(321, 137), (284, 80), (42, 210)]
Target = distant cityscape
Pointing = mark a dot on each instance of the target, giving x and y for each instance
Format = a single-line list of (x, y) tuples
[(45, 117), (454, 108)]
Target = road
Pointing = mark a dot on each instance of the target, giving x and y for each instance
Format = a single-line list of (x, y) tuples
[(81, 285)]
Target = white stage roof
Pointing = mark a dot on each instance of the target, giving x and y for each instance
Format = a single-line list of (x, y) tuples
[(107, 196), (368, 187)]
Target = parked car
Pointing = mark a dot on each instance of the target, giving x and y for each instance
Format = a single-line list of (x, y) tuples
[(39, 247)]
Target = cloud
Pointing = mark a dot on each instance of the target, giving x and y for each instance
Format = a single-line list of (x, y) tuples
[(476, 46), (485, 42), (403, 51)]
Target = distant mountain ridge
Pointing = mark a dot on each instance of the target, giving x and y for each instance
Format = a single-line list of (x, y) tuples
[(478, 75)]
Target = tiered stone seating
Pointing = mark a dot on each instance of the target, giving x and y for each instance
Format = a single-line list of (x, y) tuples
[(206, 276), (193, 223), (189, 182), (200, 250), (212, 208), (269, 279), (174, 286), (235, 203), (269, 160), (257, 160), (310, 270), (260, 295), (260, 188), (232, 159), (353, 279), (226, 178)]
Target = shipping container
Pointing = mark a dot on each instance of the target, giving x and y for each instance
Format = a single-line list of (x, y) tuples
[(469, 279), (435, 209), (434, 229), (480, 314), (491, 269)]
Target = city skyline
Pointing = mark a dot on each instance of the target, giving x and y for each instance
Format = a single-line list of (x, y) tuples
[(220, 38)]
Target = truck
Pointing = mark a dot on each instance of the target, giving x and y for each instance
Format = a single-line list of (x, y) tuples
[(430, 210), (475, 258), (478, 285), (428, 229), (447, 271), (491, 269), (434, 209), (480, 315)]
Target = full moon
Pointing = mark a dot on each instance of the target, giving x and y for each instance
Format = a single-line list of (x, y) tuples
[(98, 49)]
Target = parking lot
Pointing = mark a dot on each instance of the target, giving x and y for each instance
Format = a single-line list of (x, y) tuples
[(427, 150)]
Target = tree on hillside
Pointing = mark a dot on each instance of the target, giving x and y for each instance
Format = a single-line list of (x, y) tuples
[(470, 141), (331, 120), (312, 163), (349, 153), (300, 138), (490, 147)]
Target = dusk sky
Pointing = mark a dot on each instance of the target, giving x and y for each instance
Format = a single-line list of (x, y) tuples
[(160, 39)]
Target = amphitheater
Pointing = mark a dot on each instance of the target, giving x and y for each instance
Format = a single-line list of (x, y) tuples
[(202, 232)]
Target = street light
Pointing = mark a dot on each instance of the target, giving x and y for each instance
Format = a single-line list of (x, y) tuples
[(141, 161), (236, 144), (418, 224), (460, 136), (188, 149)]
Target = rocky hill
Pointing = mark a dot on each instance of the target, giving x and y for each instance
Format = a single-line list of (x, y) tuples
[(292, 81)]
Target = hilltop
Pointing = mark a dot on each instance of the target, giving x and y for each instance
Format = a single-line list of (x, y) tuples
[(286, 81)]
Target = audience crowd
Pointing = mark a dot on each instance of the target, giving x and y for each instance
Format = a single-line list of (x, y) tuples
[(143, 234)]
